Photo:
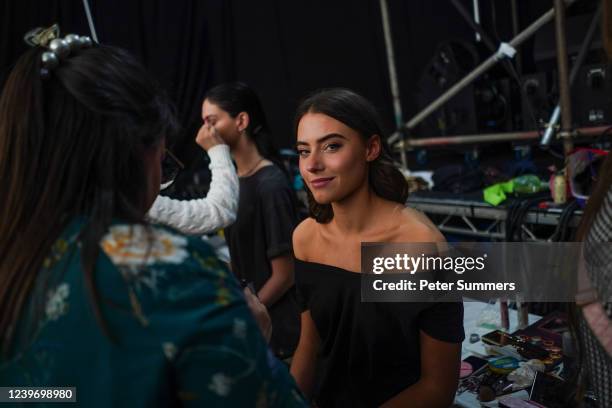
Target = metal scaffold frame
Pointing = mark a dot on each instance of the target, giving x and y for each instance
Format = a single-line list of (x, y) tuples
[(562, 112), (477, 219)]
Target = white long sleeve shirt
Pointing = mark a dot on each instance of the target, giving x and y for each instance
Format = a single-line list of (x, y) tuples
[(201, 216)]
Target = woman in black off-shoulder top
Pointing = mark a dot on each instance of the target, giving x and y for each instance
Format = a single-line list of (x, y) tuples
[(370, 354)]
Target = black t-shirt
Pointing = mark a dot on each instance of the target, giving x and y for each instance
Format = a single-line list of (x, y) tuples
[(370, 351), (264, 225)]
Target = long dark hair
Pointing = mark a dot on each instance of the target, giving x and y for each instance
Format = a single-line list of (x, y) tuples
[(237, 97), (71, 145), (360, 115)]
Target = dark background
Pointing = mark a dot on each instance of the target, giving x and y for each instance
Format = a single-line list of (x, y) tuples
[(283, 49)]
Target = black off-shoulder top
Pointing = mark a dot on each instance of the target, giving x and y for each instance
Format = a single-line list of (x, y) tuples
[(370, 351)]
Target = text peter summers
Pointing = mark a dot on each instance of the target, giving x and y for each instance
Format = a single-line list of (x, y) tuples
[(407, 285), (411, 264)]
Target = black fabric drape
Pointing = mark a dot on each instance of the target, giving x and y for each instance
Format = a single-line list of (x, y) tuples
[(286, 49), (171, 38)]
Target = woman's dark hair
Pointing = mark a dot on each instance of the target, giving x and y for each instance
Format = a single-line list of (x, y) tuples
[(71, 145), (237, 97), (360, 115)]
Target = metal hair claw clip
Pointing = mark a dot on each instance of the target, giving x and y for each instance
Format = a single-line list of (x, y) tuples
[(58, 48)]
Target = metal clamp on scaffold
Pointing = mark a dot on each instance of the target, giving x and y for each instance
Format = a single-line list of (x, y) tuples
[(505, 50)]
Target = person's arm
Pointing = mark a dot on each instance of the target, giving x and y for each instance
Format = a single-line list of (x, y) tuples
[(304, 362), (279, 219), (260, 313), (440, 363), (279, 282), (218, 209)]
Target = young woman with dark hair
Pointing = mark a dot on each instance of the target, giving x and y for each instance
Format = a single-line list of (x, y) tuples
[(260, 239), (372, 354), (91, 295)]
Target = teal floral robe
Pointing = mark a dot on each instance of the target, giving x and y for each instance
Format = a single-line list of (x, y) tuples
[(179, 330)]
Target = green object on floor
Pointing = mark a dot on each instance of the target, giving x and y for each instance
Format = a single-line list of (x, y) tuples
[(526, 184), (496, 193)]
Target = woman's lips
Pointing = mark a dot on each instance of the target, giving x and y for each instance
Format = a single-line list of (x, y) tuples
[(321, 182)]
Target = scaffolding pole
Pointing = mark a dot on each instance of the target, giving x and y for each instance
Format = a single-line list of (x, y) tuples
[(494, 137)]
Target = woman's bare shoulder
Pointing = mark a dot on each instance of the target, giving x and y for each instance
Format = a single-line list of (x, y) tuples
[(414, 226), (305, 237)]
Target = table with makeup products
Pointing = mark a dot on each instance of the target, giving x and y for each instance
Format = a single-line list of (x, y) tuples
[(481, 319)]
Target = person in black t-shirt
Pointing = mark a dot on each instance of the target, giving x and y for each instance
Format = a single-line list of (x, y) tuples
[(372, 354), (260, 240)]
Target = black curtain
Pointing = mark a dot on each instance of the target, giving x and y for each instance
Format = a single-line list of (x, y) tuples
[(174, 39), (287, 49)]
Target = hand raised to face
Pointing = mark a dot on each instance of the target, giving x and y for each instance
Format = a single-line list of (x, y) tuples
[(208, 137)]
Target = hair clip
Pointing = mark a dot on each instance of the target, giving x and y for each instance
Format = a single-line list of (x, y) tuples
[(58, 48), (40, 36)]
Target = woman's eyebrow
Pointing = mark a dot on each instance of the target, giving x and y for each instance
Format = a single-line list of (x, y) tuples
[(322, 139)]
